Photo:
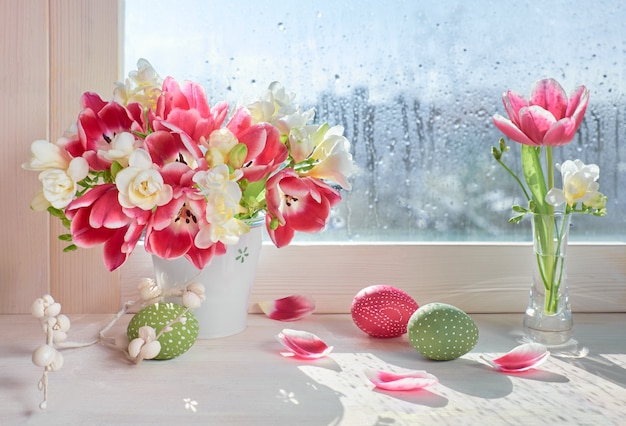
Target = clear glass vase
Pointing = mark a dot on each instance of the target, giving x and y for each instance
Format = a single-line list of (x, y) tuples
[(548, 318)]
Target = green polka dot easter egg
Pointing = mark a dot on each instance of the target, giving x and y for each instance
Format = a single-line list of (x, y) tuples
[(442, 332), (173, 343)]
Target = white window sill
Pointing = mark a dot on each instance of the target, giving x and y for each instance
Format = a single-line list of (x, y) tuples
[(244, 380)]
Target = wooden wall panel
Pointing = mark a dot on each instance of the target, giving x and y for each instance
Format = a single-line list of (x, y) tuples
[(24, 248), (52, 51), (84, 43)]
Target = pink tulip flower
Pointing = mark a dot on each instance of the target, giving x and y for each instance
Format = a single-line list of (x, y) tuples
[(265, 150), (97, 217), (184, 109), (174, 226), (297, 204), (548, 118), (97, 125)]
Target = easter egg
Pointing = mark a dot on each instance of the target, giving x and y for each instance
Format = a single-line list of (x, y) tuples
[(175, 342), (442, 332), (382, 310)]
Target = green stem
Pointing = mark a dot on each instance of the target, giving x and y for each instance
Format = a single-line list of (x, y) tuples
[(550, 256), (519, 182)]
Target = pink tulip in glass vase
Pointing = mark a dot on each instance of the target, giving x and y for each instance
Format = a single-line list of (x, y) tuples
[(549, 119)]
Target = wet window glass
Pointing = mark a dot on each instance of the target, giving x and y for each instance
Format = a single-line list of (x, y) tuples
[(415, 85)]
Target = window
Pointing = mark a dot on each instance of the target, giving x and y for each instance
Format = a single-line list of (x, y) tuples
[(415, 85)]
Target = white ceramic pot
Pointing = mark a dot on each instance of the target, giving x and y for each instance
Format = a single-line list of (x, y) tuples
[(228, 280)]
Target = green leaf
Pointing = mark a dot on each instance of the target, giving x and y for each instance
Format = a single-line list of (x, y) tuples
[(65, 237), (70, 248), (254, 190), (115, 169), (533, 174), (56, 212), (519, 209)]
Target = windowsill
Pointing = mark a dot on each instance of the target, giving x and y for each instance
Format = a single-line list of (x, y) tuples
[(475, 277), (244, 380)]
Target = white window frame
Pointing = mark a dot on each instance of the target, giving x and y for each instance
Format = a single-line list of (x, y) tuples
[(476, 277)]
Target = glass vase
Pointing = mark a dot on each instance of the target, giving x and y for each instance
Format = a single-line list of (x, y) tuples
[(228, 281), (548, 318)]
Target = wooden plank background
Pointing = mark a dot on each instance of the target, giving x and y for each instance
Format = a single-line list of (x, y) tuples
[(52, 51)]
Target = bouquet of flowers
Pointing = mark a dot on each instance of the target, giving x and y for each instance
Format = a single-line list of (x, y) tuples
[(549, 119), (158, 161)]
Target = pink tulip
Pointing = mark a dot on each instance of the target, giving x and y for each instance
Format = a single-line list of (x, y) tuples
[(174, 226), (184, 109), (265, 150), (97, 217), (548, 118), (97, 125), (297, 204)]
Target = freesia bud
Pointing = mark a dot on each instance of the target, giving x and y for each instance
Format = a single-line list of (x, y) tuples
[(597, 201), (237, 155)]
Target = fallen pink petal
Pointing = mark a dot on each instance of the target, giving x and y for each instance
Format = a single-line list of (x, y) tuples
[(522, 358), (290, 308), (303, 344), (409, 381)]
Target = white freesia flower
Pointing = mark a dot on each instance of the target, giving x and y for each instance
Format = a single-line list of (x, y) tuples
[(277, 108), (120, 148), (221, 191), (140, 185), (597, 201), (221, 142), (146, 346), (330, 151), (579, 184), (143, 86), (223, 196), (46, 155), (227, 232), (60, 186)]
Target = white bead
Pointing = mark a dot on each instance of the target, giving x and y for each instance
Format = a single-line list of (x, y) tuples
[(43, 355)]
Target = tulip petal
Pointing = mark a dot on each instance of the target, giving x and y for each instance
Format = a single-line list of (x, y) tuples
[(522, 358), (511, 130), (303, 344), (290, 308), (412, 380), (549, 95)]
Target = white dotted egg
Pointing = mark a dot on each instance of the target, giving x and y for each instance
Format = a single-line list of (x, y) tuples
[(442, 332)]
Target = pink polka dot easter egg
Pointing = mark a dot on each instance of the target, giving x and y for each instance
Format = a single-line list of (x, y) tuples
[(382, 311)]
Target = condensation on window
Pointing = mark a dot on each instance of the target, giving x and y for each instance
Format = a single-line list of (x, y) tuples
[(415, 84)]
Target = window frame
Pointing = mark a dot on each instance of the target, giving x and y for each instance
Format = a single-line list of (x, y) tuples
[(476, 277)]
